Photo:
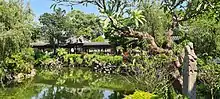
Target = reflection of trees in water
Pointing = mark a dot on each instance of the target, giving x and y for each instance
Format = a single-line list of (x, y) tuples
[(79, 78), (59, 92), (119, 94), (116, 95), (43, 87), (88, 78), (29, 90), (22, 91)]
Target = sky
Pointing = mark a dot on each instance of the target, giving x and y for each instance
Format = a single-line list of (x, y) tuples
[(41, 6)]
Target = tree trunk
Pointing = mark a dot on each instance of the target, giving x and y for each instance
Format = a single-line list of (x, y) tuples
[(176, 75), (143, 35), (188, 57), (54, 47)]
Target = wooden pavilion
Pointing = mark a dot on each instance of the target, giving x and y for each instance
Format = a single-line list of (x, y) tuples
[(77, 45)]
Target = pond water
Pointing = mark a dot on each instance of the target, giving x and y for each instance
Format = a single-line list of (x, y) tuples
[(72, 83)]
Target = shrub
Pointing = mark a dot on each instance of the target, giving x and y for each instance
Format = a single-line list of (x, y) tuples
[(141, 95), (41, 57), (61, 52), (209, 79), (21, 62), (18, 66), (88, 59), (99, 39)]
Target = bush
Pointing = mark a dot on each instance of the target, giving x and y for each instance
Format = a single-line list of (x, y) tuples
[(41, 57), (141, 95), (209, 79), (20, 62), (99, 39), (61, 52), (18, 66), (88, 59), (79, 60)]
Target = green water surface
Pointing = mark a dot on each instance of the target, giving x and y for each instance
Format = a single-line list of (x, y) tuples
[(74, 83)]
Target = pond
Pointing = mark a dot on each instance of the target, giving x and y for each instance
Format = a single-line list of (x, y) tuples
[(74, 83)]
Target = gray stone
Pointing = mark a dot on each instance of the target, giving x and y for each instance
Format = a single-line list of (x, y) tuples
[(189, 72)]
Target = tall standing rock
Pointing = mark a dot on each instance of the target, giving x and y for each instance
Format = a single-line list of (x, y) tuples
[(189, 72)]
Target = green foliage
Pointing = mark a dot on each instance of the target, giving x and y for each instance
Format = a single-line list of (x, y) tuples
[(141, 95), (75, 76), (99, 39), (18, 66), (179, 48), (16, 23), (156, 22), (208, 75), (21, 62), (15, 27), (58, 26), (36, 32), (54, 26), (41, 57), (22, 91), (147, 18), (206, 41), (85, 77), (191, 9), (172, 94), (71, 60), (119, 14), (61, 52), (151, 70), (88, 59), (137, 18), (71, 93), (47, 62), (82, 24)]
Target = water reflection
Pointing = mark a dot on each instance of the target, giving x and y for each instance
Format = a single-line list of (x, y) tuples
[(70, 84), (59, 92)]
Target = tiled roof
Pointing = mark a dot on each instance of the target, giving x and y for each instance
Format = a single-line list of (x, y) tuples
[(95, 43)]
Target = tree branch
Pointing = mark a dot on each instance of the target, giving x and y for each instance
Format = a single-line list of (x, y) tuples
[(169, 38), (143, 35)]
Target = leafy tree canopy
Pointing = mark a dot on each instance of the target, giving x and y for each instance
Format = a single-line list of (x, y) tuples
[(54, 25), (15, 27), (82, 24)]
